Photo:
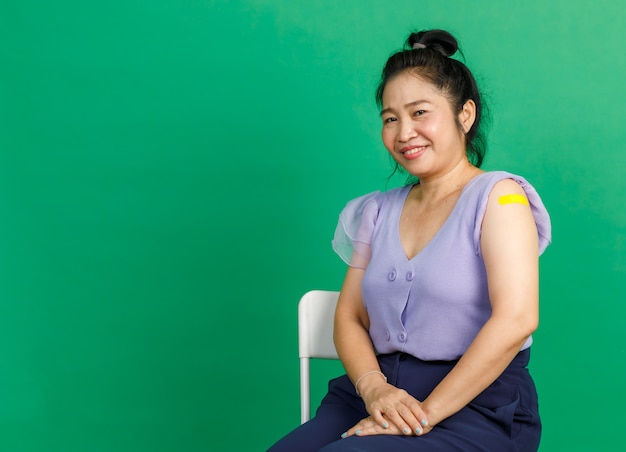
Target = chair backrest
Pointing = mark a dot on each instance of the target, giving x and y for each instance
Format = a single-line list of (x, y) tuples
[(316, 313)]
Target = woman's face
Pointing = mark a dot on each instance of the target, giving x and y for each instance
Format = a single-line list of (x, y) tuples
[(420, 129)]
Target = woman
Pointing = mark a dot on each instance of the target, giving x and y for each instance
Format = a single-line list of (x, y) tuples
[(434, 321)]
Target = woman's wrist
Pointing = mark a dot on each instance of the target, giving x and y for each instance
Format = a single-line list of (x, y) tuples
[(366, 379)]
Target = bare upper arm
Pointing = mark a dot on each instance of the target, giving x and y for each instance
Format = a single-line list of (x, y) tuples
[(509, 245), (350, 303)]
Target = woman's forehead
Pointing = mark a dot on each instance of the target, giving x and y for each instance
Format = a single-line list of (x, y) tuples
[(411, 87)]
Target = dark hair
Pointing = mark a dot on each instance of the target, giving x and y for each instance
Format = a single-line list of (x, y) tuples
[(427, 54)]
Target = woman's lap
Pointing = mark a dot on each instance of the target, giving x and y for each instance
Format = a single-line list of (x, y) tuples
[(503, 418)]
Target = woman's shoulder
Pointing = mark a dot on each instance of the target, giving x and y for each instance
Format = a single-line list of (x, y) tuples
[(486, 180), (485, 183), (504, 183), (357, 221)]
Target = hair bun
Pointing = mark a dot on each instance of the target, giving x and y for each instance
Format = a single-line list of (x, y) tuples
[(438, 40)]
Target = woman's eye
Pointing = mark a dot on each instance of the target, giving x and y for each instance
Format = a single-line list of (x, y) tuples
[(419, 112), (388, 120)]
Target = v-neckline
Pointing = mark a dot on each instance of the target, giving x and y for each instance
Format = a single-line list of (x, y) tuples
[(445, 223)]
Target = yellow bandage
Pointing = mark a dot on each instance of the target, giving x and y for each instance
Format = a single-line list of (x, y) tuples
[(513, 199)]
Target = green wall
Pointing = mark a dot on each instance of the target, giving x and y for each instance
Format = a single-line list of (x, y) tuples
[(171, 174)]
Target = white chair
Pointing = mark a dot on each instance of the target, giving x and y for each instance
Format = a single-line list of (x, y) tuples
[(316, 312)]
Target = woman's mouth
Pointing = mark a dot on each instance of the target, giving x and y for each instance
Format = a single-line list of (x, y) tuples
[(413, 152)]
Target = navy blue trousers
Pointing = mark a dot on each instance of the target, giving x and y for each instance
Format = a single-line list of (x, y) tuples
[(504, 417)]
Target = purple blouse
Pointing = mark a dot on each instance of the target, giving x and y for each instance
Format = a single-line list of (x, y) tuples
[(433, 305)]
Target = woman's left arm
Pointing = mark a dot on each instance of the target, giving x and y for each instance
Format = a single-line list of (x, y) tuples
[(509, 245)]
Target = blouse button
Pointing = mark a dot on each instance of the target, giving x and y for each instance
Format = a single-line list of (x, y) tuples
[(387, 335), (409, 276), (392, 275), (402, 337)]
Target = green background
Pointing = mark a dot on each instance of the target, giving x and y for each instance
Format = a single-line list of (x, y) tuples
[(170, 178)]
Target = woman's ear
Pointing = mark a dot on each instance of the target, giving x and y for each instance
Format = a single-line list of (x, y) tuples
[(467, 116)]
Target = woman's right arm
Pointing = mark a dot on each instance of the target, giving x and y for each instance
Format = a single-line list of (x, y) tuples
[(351, 336), (358, 357)]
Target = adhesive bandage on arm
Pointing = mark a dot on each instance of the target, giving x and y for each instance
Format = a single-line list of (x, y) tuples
[(513, 199)]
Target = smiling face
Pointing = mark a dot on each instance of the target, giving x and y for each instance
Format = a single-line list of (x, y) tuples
[(420, 129)]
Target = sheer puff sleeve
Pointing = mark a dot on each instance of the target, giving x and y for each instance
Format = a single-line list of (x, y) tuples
[(353, 236), (542, 218)]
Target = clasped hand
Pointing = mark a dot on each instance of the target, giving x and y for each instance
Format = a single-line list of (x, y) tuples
[(392, 411)]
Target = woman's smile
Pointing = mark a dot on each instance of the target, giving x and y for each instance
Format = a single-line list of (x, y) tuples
[(413, 152)]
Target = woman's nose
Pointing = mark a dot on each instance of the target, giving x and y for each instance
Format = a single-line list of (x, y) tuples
[(407, 131)]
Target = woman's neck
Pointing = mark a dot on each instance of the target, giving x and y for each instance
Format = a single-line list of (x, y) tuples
[(434, 189)]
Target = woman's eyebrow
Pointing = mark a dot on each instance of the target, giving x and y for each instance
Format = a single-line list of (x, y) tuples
[(409, 105)]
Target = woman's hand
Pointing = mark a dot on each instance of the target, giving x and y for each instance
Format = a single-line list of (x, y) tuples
[(368, 427), (392, 411)]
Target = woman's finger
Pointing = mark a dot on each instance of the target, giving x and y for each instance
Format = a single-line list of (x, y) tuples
[(369, 426), (397, 420), (395, 407), (364, 425), (380, 419), (415, 416), (410, 420)]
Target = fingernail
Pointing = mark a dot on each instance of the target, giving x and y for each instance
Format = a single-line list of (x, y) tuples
[(418, 431), (385, 425), (358, 432), (424, 422), (407, 430), (344, 434)]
